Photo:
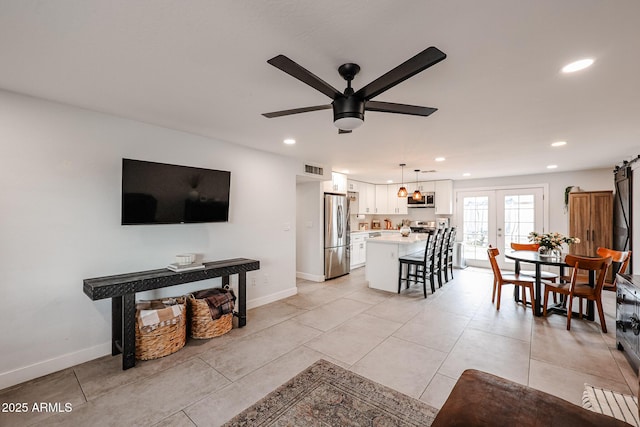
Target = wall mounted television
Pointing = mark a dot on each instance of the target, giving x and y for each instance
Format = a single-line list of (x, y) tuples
[(159, 193)]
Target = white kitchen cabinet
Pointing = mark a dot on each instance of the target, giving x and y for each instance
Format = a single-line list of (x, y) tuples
[(382, 204), (426, 186), (444, 197), (388, 202), (338, 184), (363, 199), (353, 185), (366, 198), (370, 197), (358, 250), (397, 205)]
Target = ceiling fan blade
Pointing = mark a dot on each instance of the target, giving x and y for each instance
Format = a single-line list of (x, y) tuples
[(304, 75), (296, 111), (390, 107), (341, 131), (420, 62)]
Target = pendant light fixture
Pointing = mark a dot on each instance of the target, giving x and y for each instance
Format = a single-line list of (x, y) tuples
[(417, 195), (402, 192)]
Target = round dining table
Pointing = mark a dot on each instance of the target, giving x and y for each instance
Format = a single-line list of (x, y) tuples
[(533, 257)]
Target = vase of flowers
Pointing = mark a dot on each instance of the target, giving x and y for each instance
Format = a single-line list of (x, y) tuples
[(405, 230), (550, 244)]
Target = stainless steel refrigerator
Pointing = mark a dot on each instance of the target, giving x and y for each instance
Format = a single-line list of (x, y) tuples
[(337, 257)]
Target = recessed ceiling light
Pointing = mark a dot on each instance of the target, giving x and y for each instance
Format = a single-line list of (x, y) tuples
[(577, 65), (439, 159), (466, 174), (289, 141), (389, 181), (552, 166), (558, 143)]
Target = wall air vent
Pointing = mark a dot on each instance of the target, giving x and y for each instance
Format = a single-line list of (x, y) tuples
[(314, 170)]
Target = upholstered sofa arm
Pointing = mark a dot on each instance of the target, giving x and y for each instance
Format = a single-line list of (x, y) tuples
[(482, 399)]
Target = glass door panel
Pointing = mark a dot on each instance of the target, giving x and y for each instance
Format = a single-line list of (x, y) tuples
[(498, 218), (520, 211), (477, 226)]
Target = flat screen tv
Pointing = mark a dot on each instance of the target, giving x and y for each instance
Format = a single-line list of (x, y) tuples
[(158, 193)]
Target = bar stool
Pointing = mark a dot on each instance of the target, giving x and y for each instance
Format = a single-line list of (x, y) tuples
[(436, 263), (447, 250), (420, 261)]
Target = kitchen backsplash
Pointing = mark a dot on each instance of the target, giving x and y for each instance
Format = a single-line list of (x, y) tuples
[(413, 215)]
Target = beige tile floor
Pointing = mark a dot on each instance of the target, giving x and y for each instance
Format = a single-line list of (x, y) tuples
[(415, 345)]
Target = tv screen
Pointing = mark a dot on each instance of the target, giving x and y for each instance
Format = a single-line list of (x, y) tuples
[(158, 193)]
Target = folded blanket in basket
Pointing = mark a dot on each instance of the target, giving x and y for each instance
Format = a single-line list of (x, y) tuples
[(220, 301), (154, 314)]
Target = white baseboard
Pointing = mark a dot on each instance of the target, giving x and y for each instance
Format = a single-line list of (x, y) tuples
[(26, 373), (257, 302), (308, 276)]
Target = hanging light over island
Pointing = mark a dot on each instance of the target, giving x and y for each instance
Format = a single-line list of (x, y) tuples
[(402, 191), (417, 195)]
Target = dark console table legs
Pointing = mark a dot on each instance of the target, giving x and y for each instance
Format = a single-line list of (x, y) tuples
[(116, 325), (123, 329), (241, 314), (128, 331), (242, 299), (122, 291)]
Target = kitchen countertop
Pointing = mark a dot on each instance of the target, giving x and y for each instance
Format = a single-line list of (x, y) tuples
[(375, 231), (398, 239)]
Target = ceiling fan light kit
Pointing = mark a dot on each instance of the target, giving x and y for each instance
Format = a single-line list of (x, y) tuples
[(349, 106), (348, 113)]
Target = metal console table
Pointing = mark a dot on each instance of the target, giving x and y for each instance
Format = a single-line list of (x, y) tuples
[(122, 290)]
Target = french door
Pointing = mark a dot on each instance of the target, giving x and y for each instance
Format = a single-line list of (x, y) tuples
[(498, 217)]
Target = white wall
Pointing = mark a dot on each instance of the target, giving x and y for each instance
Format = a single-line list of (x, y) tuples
[(60, 193), (590, 180), (310, 231)]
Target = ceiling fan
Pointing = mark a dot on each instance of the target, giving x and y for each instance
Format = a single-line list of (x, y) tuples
[(349, 106)]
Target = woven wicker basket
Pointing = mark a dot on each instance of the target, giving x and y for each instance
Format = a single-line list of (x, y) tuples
[(202, 325), (163, 340)]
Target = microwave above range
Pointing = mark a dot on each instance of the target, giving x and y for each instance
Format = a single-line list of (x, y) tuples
[(428, 201)]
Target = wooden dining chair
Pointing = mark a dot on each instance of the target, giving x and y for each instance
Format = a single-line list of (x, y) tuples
[(576, 288), (621, 258), (500, 279)]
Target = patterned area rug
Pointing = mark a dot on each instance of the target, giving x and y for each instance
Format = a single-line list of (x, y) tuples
[(327, 395)]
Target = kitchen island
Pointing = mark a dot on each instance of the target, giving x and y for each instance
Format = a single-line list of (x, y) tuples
[(382, 265)]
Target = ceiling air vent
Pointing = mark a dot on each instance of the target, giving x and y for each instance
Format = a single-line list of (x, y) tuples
[(314, 170)]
